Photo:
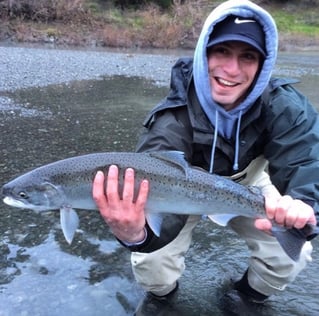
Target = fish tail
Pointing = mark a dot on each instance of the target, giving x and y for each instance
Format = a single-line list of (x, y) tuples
[(293, 239)]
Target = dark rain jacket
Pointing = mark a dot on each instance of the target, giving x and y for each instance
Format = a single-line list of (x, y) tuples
[(282, 126)]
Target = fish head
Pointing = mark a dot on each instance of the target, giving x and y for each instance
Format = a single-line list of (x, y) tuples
[(39, 196)]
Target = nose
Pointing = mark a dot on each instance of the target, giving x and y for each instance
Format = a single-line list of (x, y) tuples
[(232, 66)]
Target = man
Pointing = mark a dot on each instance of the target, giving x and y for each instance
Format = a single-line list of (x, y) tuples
[(229, 117)]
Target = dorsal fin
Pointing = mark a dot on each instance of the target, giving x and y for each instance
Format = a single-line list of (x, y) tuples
[(174, 157)]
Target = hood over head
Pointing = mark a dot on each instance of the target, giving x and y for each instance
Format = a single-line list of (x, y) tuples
[(258, 30)]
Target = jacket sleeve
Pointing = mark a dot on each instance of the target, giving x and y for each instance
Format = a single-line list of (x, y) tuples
[(293, 145), (167, 127)]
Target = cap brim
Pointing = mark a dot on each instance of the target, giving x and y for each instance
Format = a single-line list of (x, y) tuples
[(236, 37)]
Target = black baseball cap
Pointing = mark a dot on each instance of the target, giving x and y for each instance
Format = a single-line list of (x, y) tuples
[(236, 28)]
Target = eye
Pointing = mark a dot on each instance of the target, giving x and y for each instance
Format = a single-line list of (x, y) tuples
[(23, 195), (219, 49), (251, 56)]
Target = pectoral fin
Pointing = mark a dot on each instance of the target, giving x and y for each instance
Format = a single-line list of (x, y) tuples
[(154, 222), (221, 219), (69, 222)]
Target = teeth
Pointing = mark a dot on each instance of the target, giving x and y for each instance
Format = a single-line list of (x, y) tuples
[(226, 83)]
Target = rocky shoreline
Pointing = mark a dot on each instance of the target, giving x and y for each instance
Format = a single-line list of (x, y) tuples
[(23, 67), (37, 67)]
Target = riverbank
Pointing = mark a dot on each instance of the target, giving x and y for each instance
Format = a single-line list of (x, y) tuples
[(97, 26), (24, 67)]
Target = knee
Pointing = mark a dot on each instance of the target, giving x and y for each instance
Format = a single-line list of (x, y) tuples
[(157, 272), (272, 273)]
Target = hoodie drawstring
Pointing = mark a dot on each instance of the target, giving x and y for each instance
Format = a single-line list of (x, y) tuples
[(235, 165), (212, 156)]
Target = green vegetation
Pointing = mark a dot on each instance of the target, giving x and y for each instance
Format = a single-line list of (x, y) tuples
[(307, 24), (138, 23)]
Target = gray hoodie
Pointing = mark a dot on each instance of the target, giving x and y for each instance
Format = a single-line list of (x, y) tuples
[(226, 121)]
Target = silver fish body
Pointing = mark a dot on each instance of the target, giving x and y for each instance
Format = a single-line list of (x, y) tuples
[(175, 187)]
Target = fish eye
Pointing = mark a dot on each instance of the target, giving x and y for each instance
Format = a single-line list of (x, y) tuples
[(23, 195)]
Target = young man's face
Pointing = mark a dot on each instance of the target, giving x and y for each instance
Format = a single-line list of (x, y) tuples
[(232, 67)]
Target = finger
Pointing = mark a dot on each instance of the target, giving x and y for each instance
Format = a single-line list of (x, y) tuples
[(291, 218), (270, 205), (128, 187), (98, 190), (142, 196), (305, 214), (312, 218), (283, 205), (112, 183)]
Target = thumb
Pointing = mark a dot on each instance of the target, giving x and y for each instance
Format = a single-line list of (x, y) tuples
[(263, 224)]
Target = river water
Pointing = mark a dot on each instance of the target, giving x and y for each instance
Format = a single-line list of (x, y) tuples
[(40, 274)]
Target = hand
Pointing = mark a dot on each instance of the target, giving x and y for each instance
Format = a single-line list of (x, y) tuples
[(287, 212), (125, 217)]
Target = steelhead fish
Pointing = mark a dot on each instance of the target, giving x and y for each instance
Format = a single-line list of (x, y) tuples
[(175, 187)]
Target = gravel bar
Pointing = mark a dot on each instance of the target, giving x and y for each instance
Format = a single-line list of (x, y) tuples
[(22, 67)]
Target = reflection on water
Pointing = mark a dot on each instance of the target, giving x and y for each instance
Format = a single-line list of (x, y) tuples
[(40, 274)]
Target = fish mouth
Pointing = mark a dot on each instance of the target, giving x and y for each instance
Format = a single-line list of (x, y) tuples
[(14, 202), (23, 204)]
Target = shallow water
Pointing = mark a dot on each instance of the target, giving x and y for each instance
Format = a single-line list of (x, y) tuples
[(40, 274)]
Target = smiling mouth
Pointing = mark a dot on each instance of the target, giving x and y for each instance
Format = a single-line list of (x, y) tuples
[(226, 83)]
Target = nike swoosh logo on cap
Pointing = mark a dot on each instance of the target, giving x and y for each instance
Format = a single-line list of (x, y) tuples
[(238, 21)]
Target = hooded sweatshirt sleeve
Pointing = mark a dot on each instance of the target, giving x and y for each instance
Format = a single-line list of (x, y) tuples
[(167, 126)]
